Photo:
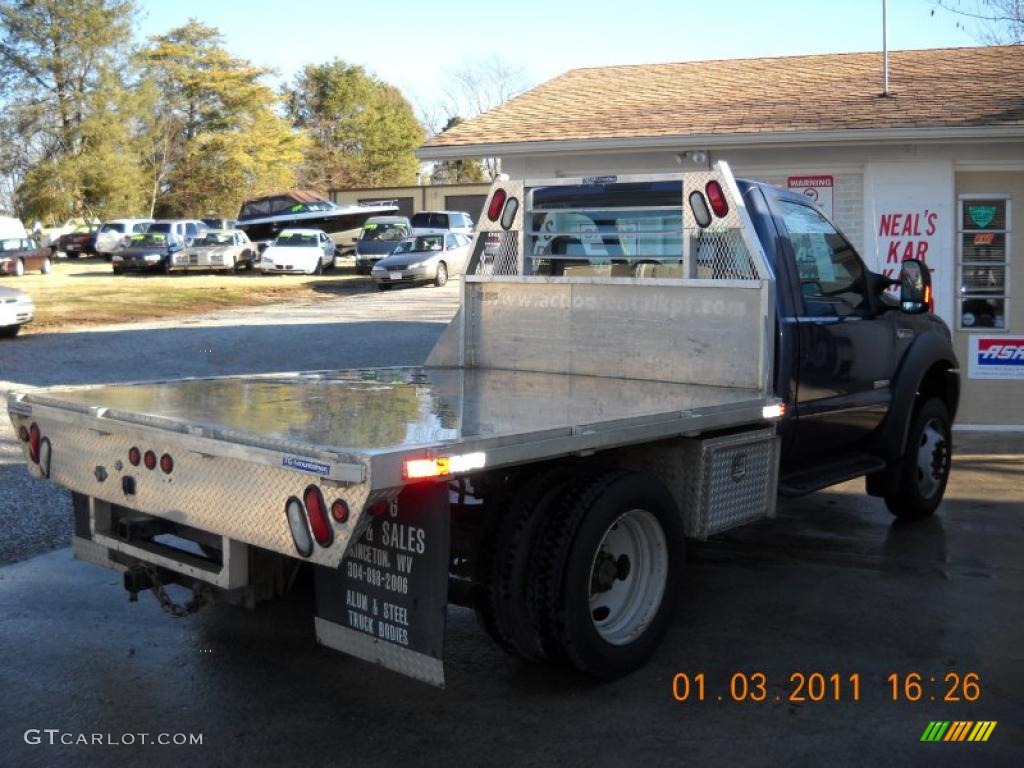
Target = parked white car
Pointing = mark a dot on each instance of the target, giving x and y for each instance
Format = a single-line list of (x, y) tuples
[(16, 309), (298, 250), (216, 249), (115, 234)]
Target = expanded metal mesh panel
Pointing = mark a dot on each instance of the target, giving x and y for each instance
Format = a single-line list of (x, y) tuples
[(735, 482), (721, 254), (240, 499), (500, 254)]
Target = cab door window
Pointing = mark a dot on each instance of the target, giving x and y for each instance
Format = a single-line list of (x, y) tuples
[(832, 276)]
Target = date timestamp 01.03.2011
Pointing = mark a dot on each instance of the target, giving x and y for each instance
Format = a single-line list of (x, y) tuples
[(804, 687)]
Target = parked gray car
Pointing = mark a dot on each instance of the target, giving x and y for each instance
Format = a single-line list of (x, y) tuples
[(424, 259)]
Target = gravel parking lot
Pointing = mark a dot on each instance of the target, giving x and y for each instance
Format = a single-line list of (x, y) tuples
[(393, 328), (833, 585)]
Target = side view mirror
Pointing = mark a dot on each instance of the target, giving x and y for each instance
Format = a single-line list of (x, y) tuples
[(915, 287)]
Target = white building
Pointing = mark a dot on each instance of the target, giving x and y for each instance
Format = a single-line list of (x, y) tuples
[(933, 169)]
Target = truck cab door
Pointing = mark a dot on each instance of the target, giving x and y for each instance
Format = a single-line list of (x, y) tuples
[(845, 342)]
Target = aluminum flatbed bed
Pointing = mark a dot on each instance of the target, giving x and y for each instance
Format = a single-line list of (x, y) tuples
[(380, 417)]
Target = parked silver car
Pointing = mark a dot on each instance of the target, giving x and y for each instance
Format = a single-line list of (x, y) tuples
[(424, 259), (216, 249)]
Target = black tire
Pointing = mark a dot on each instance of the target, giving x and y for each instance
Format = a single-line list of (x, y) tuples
[(383, 286), (165, 266), (505, 610), (118, 271), (9, 331), (569, 572), (441, 276), (921, 475)]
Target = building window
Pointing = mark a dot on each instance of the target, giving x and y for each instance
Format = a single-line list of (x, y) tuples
[(983, 260)]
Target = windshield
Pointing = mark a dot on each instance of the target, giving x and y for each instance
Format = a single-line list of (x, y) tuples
[(149, 239), (389, 231), (296, 239), (112, 228), (423, 243), (214, 238)]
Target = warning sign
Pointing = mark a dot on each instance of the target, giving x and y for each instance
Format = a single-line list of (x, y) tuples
[(816, 188)]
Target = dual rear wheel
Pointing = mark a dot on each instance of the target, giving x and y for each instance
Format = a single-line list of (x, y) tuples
[(582, 570)]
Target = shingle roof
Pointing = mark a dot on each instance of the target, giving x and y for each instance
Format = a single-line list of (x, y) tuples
[(940, 88)]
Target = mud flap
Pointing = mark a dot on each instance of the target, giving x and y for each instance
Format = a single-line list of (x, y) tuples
[(386, 602)]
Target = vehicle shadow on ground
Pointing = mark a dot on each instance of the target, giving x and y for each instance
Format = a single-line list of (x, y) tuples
[(95, 357)]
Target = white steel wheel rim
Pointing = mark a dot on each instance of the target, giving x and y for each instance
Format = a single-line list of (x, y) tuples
[(932, 458), (623, 606)]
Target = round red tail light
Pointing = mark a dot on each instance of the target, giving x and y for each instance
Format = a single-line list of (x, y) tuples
[(33, 442), (497, 204), (167, 463), (134, 456), (379, 508), (717, 198), (23, 433), (316, 511), (150, 460), (339, 511)]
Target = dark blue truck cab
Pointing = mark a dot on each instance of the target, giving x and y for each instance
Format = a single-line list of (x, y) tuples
[(872, 384)]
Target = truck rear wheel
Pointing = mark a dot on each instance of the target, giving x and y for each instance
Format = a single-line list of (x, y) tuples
[(921, 475), (608, 561), (505, 610)]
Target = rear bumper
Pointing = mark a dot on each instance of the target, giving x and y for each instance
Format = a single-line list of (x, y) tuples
[(238, 492)]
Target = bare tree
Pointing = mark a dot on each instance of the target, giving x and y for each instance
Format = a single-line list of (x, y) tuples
[(477, 87), (994, 22)]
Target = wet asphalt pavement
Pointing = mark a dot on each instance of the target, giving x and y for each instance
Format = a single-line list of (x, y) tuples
[(832, 586)]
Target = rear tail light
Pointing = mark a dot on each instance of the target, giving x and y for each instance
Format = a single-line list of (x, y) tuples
[(23, 433), (150, 460), (497, 204), (166, 464), (316, 511), (717, 198), (298, 527), (699, 206), (134, 456), (379, 508), (339, 511), (33, 442)]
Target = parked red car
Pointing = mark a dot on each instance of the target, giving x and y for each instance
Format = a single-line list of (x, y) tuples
[(18, 254)]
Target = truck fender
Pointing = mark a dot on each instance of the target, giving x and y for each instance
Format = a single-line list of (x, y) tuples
[(929, 366)]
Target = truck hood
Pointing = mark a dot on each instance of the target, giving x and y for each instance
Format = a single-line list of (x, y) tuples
[(374, 247)]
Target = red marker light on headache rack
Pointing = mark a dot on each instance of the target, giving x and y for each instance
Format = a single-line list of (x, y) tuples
[(717, 198), (417, 469)]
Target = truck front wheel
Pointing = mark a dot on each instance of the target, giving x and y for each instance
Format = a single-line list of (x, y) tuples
[(920, 477), (605, 584)]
